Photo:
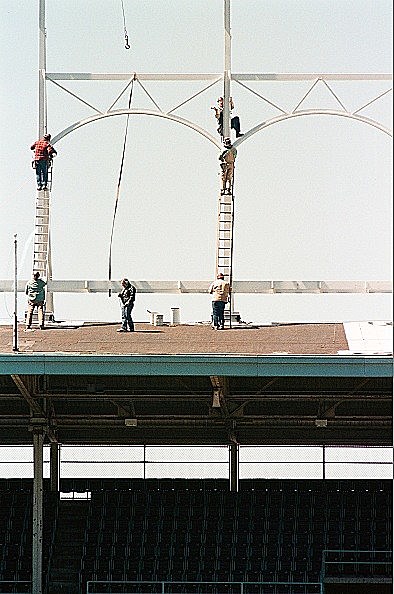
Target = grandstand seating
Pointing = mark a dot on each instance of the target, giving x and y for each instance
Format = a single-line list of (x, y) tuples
[(178, 530)]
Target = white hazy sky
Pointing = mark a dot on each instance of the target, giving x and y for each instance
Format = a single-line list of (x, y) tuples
[(313, 194)]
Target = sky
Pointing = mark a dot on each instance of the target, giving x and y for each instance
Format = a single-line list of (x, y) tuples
[(312, 194)]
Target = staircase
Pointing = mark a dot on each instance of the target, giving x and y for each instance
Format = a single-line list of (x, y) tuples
[(65, 561)]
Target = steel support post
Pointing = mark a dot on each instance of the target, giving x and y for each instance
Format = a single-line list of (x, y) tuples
[(38, 447), (54, 466), (41, 70), (42, 118), (234, 467), (227, 70)]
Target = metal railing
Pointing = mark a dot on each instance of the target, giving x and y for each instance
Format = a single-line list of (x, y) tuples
[(15, 587), (142, 587), (356, 566)]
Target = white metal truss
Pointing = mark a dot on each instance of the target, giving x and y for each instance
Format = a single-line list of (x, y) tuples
[(225, 78), (200, 286)]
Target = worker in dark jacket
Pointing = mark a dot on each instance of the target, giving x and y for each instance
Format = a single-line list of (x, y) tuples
[(35, 292), (43, 154), (127, 298)]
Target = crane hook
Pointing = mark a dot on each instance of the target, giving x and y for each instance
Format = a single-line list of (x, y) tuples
[(126, 40)]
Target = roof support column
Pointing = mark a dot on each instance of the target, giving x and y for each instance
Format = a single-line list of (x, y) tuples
[(234, 467), (54, 466), (38, 446)]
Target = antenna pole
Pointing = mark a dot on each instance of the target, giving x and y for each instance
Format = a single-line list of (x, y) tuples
[(15, 322)]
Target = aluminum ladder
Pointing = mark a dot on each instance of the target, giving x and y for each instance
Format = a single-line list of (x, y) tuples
[(224, 246), (41, 253)]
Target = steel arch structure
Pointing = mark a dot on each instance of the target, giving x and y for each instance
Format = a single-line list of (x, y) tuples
[(208, 135)]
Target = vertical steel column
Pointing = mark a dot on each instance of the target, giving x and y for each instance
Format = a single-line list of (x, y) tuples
[(42, 118), (42, 123), (54, 466), (226, 113), (227, 70), (38, 447), (234, 466)]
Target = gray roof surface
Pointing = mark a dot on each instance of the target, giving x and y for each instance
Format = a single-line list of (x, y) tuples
[(291, 339)]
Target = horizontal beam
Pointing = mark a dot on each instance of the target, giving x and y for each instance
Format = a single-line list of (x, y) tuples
[(312, 76), (212, 76), (128, 76), (201, 286), (196, 365)]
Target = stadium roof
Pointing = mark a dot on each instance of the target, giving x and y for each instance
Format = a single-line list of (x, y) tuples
[(281, 384)]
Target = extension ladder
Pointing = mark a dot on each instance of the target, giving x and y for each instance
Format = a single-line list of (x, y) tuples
[(224, 246), (41, 234)]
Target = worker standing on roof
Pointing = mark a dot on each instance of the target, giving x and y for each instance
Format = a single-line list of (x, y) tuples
[(43, 154), (227, 158), (127, 298), (220, 290), (36, 298)]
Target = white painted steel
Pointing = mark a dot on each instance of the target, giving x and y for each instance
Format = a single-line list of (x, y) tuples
[(148, 112), (211, 76), (201, 286), (311, 112)]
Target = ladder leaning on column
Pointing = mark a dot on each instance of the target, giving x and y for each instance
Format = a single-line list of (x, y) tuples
[(41, 233), (224, 245)]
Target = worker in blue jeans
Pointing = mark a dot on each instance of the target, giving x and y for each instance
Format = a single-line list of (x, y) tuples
[(127, 298), (220, 290)]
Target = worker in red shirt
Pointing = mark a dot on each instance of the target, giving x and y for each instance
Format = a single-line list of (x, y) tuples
[(43, 154)]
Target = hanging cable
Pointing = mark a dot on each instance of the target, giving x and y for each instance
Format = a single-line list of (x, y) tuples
[(126, 37), (118, 188)]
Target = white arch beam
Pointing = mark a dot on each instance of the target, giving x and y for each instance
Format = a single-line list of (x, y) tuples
[(133, 111), (310, 112)]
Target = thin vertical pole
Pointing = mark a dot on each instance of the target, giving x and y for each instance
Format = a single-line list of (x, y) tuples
[(227, 70), (15, 321), (38, 447)]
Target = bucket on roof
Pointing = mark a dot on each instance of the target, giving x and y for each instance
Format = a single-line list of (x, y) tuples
[(175, 316)]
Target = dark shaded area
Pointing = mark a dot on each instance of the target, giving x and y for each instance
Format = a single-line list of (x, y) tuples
[(174, 530)]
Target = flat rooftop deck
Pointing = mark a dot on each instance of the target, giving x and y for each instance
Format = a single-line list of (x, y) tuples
[(101, 338)]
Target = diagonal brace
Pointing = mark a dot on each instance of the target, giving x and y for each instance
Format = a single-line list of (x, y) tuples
[(35, 407)]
